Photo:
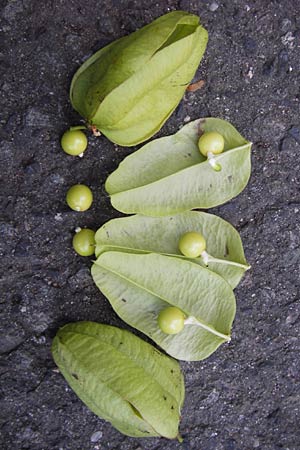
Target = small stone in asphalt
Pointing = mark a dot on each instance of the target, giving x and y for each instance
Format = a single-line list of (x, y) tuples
[(213, 6), (96, 436)]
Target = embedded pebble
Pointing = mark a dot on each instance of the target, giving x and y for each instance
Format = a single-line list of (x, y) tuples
[(81, 279), (285, 25), (288, 39), (211, 398), (288, 144), (283, 60), (11, 340), (213, 6), (96, 436), (37, 119), (58, 217), (250, 73), (40, 322), (55, 178), (291, 318), (295, 133)]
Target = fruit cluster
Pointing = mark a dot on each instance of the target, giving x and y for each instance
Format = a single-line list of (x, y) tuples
[(167, 270)]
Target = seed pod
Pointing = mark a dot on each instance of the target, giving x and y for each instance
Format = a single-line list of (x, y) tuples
[(142, 234), (129, 88), (121, 378), (140, 286), (172, 176)]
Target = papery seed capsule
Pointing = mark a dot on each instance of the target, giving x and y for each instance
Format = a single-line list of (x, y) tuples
[(128, 89)]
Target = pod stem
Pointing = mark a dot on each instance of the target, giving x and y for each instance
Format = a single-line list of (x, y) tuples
[(205, 257), (213, 162), (94, 130), (208, 258), (193, 321)]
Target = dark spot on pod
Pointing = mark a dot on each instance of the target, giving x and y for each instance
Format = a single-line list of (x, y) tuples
[(172, 371), (229, 178), (172, 407), (165, 398), (124, 300), (226, 251), (121, 343), (200, 127), (75, 376)]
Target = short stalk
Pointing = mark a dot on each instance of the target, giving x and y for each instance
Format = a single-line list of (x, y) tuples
[(94, 130), (206, 258), (193, 321), (213, 163)]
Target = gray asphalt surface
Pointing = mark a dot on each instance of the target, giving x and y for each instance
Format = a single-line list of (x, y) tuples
[(246, 395)]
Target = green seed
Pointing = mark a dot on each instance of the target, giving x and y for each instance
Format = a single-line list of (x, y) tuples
[(192, 244), (171, 320), (79, 197), (74, 142), (84, 242), (211, 142)]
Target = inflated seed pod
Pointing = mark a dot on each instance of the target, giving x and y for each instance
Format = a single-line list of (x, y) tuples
[(121, 378), (129, 88), (142, 234), (140, 286), (172, 176)]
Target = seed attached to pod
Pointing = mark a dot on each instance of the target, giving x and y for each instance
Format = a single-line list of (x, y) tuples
[(192, 244), (171, 320), (84, 242), (79, 197), (74, 142), (211, 143)]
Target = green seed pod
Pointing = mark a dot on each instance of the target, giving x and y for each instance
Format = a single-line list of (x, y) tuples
[(129, 88), (121, 378), (140, 286), (172, 176)]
